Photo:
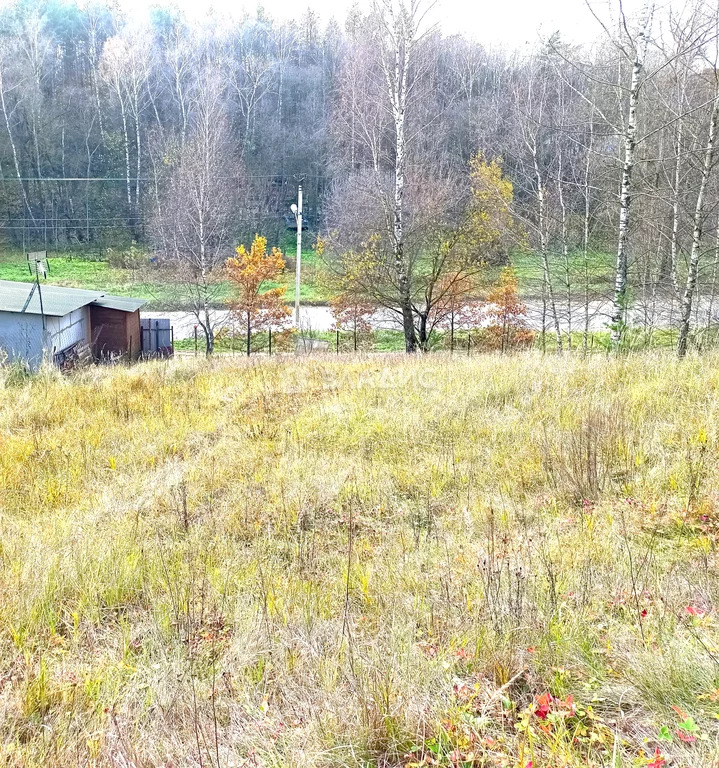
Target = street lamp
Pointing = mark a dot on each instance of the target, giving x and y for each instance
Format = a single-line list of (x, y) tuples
[(297, 212)]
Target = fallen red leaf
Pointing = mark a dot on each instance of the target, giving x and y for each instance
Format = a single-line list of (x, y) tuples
[(544, 702), (658, 761)]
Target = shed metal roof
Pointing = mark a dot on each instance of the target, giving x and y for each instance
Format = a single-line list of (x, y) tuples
[(123, 303), (58, 301)]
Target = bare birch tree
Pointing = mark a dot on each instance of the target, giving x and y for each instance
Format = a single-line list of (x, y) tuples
[(632, 47), (399, 32), (698, 221), (195, 218)]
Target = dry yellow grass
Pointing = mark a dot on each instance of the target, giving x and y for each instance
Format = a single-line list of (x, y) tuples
[(371, 562)]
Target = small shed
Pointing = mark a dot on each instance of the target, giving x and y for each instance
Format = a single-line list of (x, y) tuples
[(53, 323)]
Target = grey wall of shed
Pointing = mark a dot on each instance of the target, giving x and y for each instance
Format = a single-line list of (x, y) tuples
[(68, 330), (22, 337)]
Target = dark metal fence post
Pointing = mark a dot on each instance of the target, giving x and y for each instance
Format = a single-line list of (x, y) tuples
[(269, 333), (172, 339), (469, 343), (337, 342), (451, 333), (195, 341)]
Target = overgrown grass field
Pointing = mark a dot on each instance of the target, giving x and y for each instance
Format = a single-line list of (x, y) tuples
[(489, 561)]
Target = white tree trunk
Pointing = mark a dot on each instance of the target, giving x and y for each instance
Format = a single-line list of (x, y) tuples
[(585, 237), (139, 160), (126, 139), (674, 243), (625, 193), (14, 148), (543, 247), (697, 232), (565, 251), (396, 78)]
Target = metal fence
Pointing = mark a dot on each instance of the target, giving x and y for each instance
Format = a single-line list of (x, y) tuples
[(156, 335)]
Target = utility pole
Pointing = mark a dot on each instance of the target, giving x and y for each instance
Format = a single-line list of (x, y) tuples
[(39, 295), (297, 210), (37, 261)]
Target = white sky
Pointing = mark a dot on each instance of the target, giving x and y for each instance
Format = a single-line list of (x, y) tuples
[(495, 23)]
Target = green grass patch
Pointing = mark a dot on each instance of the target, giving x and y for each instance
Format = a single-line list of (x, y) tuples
[(598, 271), (158, 286), (90, 269)]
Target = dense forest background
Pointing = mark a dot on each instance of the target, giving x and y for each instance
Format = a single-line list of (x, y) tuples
[(114, 130), (95, 106)]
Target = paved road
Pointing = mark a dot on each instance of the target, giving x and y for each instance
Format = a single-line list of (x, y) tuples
[(312, 318), (660, 313)]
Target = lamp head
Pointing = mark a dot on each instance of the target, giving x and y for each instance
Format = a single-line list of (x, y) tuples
[(293, 208)]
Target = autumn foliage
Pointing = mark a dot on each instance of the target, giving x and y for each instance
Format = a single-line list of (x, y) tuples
[(352, 312), (490, 220), (457, 307), (254, 306), (507, 315), (454, 228)]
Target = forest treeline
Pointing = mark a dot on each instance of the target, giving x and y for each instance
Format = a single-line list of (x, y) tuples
[(422, 156)]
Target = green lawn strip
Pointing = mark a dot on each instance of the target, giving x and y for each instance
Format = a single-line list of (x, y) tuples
[(83, 269), (377, 341), (528, 267), (598, 342), (149, 283)]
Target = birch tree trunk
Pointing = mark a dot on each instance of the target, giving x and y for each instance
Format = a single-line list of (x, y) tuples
[(697, 232), (400, 265), (625, 193), (126, 141), (585, 234), (401, 33), (543, 248), (138, 159), (13, 147), (565, 250), (674, 242)]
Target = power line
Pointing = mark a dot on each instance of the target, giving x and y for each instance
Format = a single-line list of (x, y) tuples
[(79, 223), (121, 219), (238, 177)]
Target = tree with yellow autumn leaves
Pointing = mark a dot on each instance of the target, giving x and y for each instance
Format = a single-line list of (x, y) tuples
[(253, 304), (455, 225)]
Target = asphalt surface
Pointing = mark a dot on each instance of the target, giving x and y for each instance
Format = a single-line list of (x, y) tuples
[(656, 313)]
